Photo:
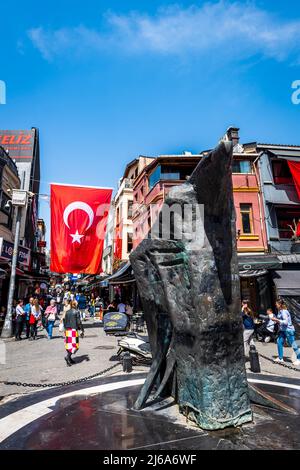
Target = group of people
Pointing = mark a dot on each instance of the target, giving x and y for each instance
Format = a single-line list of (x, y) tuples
[(29, 315), (277, 326), (69, 309)]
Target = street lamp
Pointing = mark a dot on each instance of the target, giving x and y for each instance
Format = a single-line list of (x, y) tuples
[(19, 200)]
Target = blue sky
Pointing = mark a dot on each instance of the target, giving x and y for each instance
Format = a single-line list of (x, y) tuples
[(105, 81)]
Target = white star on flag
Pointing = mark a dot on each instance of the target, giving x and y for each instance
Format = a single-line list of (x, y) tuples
[(76, 237)]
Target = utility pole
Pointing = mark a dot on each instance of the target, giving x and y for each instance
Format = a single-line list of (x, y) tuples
[(19, 199)]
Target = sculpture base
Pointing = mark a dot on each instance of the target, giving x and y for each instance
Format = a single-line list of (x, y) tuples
[(98, 416)]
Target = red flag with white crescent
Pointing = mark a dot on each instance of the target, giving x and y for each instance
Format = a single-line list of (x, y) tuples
[(78, 225)]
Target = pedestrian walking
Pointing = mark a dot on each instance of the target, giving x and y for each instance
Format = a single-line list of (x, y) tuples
[(27, 309), (20, 316), (59, 299), (72, 324), (81, 301), (92, 302), (248, 324), (286, 332), (121, 307), (50, 314), (35, 317)]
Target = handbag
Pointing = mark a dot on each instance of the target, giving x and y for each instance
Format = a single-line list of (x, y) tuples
[(61, 327), (52, 317)]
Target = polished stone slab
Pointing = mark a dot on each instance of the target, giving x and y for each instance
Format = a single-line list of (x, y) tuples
[(106, 421)]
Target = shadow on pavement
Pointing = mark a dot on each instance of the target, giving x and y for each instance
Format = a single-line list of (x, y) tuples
[(84, 357)]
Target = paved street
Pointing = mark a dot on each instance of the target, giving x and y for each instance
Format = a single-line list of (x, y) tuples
[(34, 418), (42, 361), (270, 350)]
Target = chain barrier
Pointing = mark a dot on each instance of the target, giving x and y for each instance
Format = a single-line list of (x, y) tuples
[(60, 384), (279, 363)]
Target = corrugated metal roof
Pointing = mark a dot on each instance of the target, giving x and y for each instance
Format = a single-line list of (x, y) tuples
[(278, 146), (286, 153)]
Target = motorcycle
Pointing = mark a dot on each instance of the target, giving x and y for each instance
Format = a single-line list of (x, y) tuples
[(138, 347)]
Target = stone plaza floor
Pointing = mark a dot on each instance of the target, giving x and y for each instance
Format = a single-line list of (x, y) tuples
[(97, 414)]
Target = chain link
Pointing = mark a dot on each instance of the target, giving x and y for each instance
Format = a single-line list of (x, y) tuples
[(279, 363), (60, 384)]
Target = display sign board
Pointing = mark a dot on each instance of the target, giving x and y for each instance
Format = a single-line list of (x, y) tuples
[(19, 197), (41, 244), (6, 251), (115, 321), (19, 144)]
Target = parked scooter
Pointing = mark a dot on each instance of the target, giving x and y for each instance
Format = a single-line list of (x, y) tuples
[(138, 347)]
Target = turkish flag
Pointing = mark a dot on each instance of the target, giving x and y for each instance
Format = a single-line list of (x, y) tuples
[(78, 225), (295, 170)]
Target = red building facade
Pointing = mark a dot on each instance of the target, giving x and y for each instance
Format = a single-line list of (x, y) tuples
[(154, 183)]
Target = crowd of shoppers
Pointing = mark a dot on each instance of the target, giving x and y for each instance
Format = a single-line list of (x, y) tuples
[(69, 309)]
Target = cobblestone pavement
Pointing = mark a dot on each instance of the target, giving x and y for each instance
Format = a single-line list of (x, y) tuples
[(42, 361)]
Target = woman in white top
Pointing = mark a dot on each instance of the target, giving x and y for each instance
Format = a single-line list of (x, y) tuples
[(20, 315)]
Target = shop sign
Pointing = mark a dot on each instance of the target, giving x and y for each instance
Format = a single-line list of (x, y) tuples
[(6, 251)]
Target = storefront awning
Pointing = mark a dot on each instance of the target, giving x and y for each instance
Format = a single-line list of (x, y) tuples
[(255, 273), (258, 263), (287, 283), (124, 275)]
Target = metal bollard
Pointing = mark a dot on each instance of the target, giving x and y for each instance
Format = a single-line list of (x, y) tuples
[(127, 362), (254, 359)]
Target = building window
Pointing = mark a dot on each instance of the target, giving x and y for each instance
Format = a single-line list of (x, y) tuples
[(129, 209), (170, 173), (154, 177), (149, 220), (281, 172), (129, 242), (246, 216), (285, 218), (241, 166)]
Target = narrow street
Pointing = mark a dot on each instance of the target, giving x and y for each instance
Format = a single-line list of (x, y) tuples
[(42, 361)]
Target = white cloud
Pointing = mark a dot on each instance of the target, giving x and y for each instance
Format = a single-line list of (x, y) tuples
[(226, 28)]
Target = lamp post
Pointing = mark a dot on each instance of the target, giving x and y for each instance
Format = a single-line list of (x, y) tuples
[(19, 200)]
